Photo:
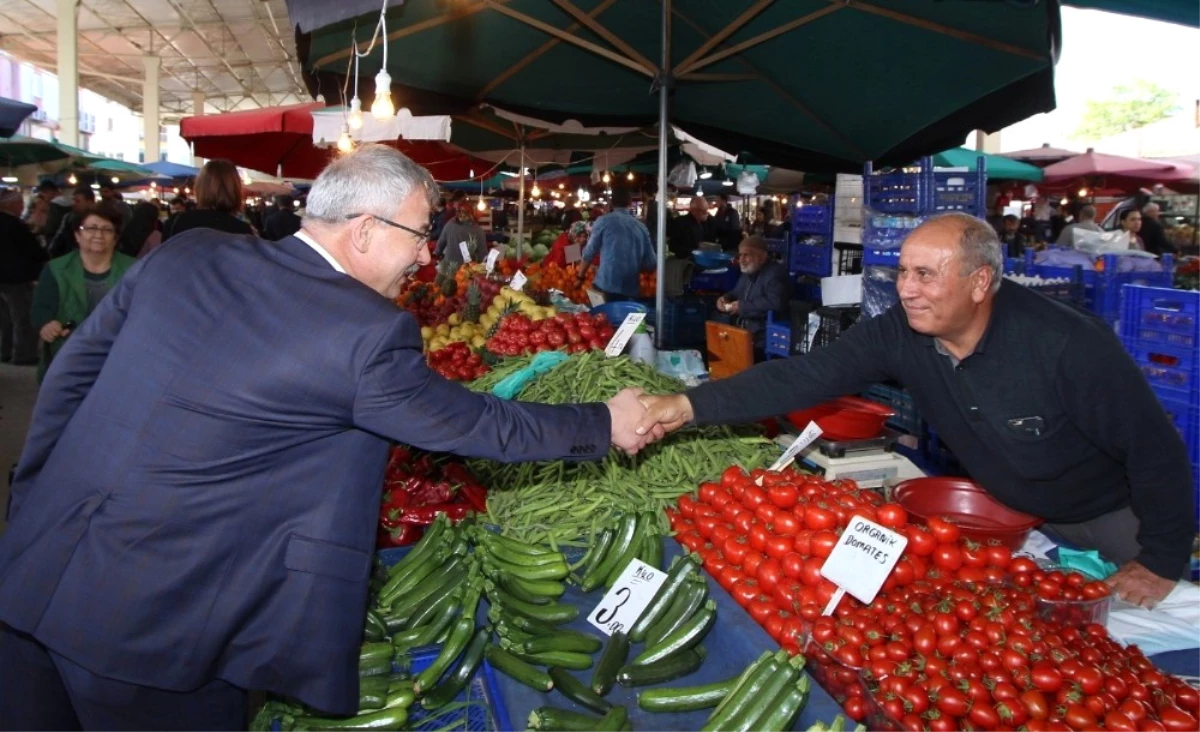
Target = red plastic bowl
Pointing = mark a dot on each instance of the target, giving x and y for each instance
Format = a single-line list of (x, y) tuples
[(980, 517), (845, 418)]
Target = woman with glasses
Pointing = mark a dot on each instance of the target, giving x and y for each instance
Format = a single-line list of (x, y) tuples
[(71, 286)]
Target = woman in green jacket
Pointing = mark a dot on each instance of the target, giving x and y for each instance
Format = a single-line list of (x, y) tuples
[(71, 286)]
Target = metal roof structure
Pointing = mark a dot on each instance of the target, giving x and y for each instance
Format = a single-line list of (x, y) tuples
[(241, 54)]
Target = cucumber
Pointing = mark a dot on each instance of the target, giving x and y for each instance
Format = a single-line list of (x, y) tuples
[(457, 680), (616, 652), (575, 690), (551, 719), (686, 636), (668, 669), (687, 601), (510, 665), (564, 640), (676, 579), (393, 718), (686, 698), (621, 541)]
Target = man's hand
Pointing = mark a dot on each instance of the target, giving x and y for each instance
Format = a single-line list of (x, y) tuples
[(721, 303), (1135, 584), (627, 413), (732, 307), (667, 413)]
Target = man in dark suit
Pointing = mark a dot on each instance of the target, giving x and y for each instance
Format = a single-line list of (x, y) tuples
[(283, 221), (194, 511)]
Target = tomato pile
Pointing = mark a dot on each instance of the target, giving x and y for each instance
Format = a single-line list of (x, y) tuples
[(417, 487), (954, 640), (457, 362), (518, 335)]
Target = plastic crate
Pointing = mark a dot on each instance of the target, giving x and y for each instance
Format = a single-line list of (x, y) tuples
[(719, 281), (957, 191), (1160, 316), (906, 418), (490, 715), (850, 259), (1186, 418), (807, 288), (1172, 372), (683, 321), (1109, 283), (778, 341), (881, 257), (834, 322), (812, 219), (778, 247), (810, 259), (893, 192)]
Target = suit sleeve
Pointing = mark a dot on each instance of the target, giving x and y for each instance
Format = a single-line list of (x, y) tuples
[(1119, 412), (400, 398), (70, 378)]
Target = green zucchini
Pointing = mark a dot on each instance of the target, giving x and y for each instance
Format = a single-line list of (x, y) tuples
[(531, 625), (781, 713), (676, 579), (687, 601), (564, 640), (784, 677), (429, 632), (552, 589), (448, 576), (433, 607), (375, 652), (668, 669), (393, 718), (510, 585), (554, 613), (563, 659), (597, 550), (749, 688), (551, 719), (374, 630), (575, 690), (613, 720), (401, 585), (506, 555), (686, 698), (401, 696), (457, 680), (374, 668), (372, 694), (434, 539), (623, 561), (510, 665), (748, 673), (616, 652), (686, 636), (621, 542), (459, 637)]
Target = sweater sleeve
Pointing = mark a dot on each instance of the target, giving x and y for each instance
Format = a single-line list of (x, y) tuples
[(1120, 413), (861, 357)]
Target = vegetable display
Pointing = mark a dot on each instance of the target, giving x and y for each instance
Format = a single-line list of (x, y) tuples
[(418, 487)]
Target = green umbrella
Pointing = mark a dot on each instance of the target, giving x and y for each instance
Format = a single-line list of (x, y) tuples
[(998, 167)]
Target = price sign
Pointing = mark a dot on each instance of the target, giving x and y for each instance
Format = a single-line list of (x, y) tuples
[(623, 334), (492, 257), (518, 281), (862, 560), (806, 438), (466, 251), (573, 253), (628, 598)]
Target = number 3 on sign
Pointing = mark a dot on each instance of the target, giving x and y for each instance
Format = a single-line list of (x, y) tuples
[(606, 614), (628, 598)]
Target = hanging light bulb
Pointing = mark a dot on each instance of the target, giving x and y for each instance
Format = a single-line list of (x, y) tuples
[(382, 108), (1083, 193), (245, 178), (71, 179), (561, 186), (189, 190), (345, 143), (115, 180), (153, 184), (354, 120), (629, 176), (1063, 202), (176, 190), (535, 191), (481, 205), (472, 175), (706, 174), (727, 182), (10, 179), (606, 178)]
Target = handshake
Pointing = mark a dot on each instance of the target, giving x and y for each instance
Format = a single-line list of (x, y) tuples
[(639, 419)]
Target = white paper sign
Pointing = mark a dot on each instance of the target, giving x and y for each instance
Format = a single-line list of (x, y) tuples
[(492, 257), (466, 251), (863, 558), (806, 438), (518, 281), (573, 253), (628, 598), (623, 334)]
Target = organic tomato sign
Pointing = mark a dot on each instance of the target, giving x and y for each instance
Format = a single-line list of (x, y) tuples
[(863, 558), (628, 598)]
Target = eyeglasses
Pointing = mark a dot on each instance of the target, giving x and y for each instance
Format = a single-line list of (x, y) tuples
[(98, 230), (422, 234)]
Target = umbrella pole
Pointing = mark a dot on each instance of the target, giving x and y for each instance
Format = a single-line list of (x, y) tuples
[(660, 297), (521, 200)]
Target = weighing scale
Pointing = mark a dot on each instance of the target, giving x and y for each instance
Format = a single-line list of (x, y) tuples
[(871, 463)]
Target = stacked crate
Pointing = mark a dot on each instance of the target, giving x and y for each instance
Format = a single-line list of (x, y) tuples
[(1160, 328)]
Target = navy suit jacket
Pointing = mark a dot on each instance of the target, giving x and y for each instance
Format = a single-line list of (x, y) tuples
[(200, 485)]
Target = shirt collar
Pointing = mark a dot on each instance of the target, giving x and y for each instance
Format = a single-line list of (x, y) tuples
[(304, 237)]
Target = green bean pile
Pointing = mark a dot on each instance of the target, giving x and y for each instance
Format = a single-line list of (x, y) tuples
[(560, 502)]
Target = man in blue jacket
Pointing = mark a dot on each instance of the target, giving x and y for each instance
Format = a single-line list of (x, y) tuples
[(623, 245), (194, 511)]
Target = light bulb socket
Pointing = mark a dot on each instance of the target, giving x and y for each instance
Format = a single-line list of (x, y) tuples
[(355, 118), (382, 108)]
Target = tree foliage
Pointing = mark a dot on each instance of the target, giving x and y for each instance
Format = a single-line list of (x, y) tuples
[(1128, 107)]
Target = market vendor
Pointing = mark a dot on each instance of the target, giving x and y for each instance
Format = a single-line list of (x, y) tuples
[(194, 511), (1037, 400), (576, 234), (762, 288), (623, 246), (462, 229)]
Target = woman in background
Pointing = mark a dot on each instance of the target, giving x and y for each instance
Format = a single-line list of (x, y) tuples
[(219, 200), (1131, 223)]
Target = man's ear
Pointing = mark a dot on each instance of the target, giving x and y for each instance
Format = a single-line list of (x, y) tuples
[(981, 283), (360, 234)]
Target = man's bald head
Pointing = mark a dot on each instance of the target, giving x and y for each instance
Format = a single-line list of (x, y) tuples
[(977, 243), (1150, 210)]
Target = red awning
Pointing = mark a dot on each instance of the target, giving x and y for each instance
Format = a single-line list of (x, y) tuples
[(278, 141)]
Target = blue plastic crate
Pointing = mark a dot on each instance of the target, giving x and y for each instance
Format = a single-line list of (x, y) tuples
[(1161, 316), (721, 281), (881, 257), (684, 321), (1110, 281), (812, 219), (811, 260), (1172, 372), (1186, 418), (957, 191), (778, 343), (778, 247), (893, 192), (906, 419)]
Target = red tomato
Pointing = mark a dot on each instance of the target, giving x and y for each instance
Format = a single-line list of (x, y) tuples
[(802, 542), (769, 574), (779, 546), (1036, 704), (1116, 720), (920, 541), (786, 524), (745, 590), (753, 496), (892, 515), (690, 540), (735, 549), (1080, 717), (947, 556), (1175, 719), (943, 530), (818, 518), (823, 543), (761, 608), (732, 475), (811, 575), (952, 702), (784, 496), (751, 562), (759, 534), (722, 532), (793, 565)]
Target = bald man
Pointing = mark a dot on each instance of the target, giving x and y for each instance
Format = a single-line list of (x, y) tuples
[(1039, 402), (1153, 235)]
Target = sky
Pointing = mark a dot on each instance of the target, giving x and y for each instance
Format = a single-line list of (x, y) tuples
[(1102, 50)]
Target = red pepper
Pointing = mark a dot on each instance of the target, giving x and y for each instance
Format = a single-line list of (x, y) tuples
[(475, 495), (402, 535), (425, 515)]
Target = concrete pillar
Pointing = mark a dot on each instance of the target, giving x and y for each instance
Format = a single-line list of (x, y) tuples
[(150, 107), (68, 73), (197, 110), (986, 143)]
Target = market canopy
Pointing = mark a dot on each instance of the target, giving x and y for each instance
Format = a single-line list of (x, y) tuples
[(806, 84), (1099, 170), (998, 167), (1044, 155), (12, 114), (1181, 12)]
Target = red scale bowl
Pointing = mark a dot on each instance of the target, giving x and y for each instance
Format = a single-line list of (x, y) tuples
[(979, 517), (845, 418)]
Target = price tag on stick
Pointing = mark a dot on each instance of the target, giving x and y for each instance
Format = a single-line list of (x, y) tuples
[(628, 598), (492, 257), (806, 438), (466, 251), (572, 253), (862, 560), (518, 281), (623, 334)]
